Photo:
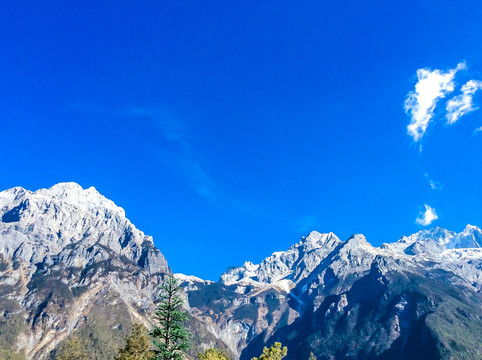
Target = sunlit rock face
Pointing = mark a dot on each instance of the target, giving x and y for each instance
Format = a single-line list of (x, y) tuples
[(69, 225), (72, 261)]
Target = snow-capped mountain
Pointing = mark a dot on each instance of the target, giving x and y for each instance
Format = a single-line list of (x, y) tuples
[(291, 265), (72, 263), (470, 237), (72, 224), (301, 259), (326, 278), (65, 256)]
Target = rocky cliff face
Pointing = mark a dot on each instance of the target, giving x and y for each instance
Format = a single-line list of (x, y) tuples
[(71, 262), (350, 300)]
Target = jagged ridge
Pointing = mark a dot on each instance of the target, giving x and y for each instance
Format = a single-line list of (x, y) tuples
[(70, 261)]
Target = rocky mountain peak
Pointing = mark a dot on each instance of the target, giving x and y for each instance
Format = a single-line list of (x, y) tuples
[(69, 259), (358, 240), (440, 235), (293, 264), (315, 240), (37, 226), (88, 199), (470, 237)]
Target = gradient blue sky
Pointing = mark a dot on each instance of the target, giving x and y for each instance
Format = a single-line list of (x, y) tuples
[(228, 130)]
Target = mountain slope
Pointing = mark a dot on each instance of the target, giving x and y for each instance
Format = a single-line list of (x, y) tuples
[(70, 261), (349, 300)]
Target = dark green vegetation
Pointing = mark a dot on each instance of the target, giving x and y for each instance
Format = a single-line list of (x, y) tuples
[(72, 349), (170, 337), (275, 352), (137, 346), (212, 354)]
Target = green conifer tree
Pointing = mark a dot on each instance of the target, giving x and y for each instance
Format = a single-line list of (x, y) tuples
[(275, 352), (170, 338), (212, 354), (312, 356), (137, 345), (72, 349)]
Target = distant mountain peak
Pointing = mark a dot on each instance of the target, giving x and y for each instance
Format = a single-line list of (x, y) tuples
[(470, 237), (294, 263), (315, 240)]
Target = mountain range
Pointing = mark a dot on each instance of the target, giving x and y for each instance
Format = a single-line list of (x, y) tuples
[(72, 263)]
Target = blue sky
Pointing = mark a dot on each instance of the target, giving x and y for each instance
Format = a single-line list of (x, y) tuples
[(228, 130)]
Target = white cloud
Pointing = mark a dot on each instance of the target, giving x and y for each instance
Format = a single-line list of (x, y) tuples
[(426, 217), (432, 86), (434, 185), (479, 129), (462, 104)]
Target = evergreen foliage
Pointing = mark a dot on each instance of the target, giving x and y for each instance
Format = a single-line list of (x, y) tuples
[(312, 356), (137, 345), (275, 352), (212, 354), (170, 338), (72, 349)]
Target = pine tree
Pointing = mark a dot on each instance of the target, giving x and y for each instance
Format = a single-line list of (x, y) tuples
[(137, 345), (312, 356), (72, 349), (275, 352), (212, 354), (170, 338)]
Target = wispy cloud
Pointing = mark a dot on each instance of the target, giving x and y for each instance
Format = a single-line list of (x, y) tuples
[(169, 127), (463, 103), (432, 86), (479, 129), (426, 217), (434, 185), (179, 156)]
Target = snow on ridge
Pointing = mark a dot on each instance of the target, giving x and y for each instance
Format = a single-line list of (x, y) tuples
[(190, 279), (71, 193), (470, 237), (90, 199), (301, 258), (464, 253), (296, 262), (45, 222)]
